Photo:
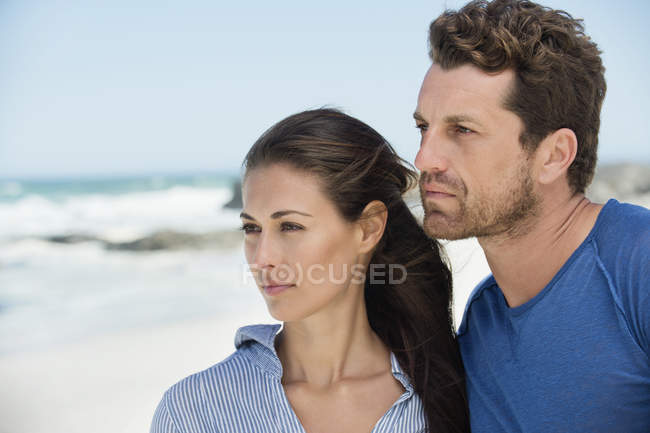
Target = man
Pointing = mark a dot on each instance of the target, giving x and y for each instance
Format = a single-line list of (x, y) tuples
[(557, 339)]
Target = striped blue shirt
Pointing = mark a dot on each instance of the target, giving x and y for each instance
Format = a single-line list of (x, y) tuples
[(244, 393)]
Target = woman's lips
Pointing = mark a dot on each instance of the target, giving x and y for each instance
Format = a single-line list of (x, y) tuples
[(276, 289)]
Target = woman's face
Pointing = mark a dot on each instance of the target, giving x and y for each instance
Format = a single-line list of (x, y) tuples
[(302, 252)]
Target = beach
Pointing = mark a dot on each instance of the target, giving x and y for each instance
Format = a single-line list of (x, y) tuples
[(110, 295), (113, 382), (110, 383)]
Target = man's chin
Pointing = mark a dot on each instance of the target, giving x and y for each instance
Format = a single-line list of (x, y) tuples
[(438, 227), (446, 235)]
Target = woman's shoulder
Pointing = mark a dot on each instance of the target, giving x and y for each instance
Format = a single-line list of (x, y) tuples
[(209, 399), (249, 366)]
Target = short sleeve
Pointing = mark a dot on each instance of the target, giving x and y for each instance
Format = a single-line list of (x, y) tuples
[(639, 284), (627, 252)]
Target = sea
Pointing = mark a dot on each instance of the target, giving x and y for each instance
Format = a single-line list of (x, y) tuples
[(85, 257)]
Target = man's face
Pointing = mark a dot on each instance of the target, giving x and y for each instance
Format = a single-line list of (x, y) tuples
[(475, 176)]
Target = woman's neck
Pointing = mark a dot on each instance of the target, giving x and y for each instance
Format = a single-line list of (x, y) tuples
[(330, 346)]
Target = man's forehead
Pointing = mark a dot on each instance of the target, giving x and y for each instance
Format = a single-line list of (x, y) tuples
[(465, 88)]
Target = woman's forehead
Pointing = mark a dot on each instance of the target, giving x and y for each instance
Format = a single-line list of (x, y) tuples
[(270, 189)]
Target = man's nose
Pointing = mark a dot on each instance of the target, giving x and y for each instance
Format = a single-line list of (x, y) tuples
[(433, 155)]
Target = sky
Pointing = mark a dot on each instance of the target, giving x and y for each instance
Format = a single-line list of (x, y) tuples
[(110, 88)]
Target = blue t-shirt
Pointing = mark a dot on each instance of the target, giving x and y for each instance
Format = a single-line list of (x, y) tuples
[(576, 357)]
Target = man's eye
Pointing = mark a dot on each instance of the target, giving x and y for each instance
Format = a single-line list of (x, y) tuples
[(289, 227), (250, 228), (463, 130), (422, 127)]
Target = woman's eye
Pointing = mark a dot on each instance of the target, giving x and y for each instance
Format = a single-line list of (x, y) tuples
[(422, 127), (250, 228), (285, 227), (290, 227)]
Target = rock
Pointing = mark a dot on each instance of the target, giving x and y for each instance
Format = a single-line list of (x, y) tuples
[(236, 201), (626, 182), (171, 240), (71, 239)]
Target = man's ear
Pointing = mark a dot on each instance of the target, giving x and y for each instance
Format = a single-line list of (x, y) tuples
[(555, 154), (371, 225)]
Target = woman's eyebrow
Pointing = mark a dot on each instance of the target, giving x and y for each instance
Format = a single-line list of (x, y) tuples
[(281, 213), (276, 215)]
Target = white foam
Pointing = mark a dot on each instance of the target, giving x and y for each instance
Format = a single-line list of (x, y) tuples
[(119, 217), (54, 293)]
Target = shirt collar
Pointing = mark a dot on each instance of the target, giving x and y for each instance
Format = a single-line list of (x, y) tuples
[(262, 334), (258, 344), (402, 377)]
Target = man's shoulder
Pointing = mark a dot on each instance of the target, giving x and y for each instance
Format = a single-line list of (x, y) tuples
[(622, 246), (622, 236), (623, 221)]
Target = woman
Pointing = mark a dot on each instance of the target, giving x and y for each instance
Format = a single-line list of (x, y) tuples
[(367, 343)]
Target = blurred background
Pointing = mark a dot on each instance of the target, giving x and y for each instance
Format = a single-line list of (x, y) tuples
[(122, 129)]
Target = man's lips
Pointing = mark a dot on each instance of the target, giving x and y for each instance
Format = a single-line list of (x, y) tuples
[(435, 192)]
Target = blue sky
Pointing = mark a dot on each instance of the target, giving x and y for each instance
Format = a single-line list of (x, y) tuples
[(127, 87)]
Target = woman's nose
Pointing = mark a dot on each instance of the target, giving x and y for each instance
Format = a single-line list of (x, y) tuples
[(266, 252)]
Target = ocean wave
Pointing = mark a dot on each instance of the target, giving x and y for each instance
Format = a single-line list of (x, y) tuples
[(52, 293), (120, 218)]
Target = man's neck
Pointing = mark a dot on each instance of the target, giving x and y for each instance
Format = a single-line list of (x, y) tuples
[(523, 265)]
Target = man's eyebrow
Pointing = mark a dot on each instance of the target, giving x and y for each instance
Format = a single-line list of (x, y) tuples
[(418, 116), (460, 118), (454, 118), (276, 215)]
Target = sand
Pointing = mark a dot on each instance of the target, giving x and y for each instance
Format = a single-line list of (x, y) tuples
[(113, 383)]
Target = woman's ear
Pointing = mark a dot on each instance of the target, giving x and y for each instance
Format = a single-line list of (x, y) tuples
[(371, 225)]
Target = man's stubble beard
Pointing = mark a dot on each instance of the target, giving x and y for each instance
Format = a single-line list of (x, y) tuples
[(508, 212)]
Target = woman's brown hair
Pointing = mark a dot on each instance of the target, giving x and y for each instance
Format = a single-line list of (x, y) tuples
[(355, 166)]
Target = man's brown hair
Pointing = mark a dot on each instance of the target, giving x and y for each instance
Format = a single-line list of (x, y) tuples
[(559, 80)]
